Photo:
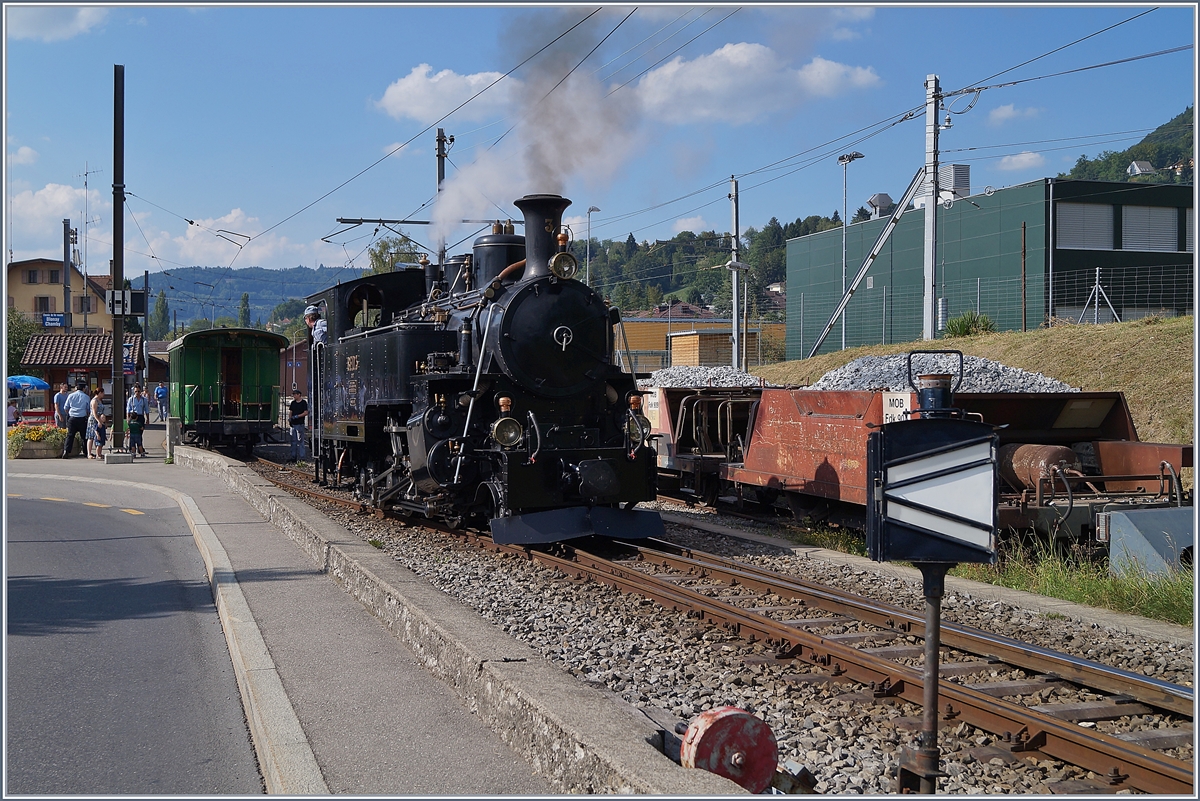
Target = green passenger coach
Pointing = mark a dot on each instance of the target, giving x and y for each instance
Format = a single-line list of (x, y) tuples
[(225, 385)]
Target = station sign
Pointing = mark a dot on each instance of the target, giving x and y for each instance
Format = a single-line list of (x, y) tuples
[(54, 319), (933, 485)]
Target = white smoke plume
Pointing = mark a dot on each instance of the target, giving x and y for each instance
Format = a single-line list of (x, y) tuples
[(559, 131)]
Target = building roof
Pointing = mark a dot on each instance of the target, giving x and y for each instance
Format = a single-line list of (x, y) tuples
[(75, 350), (157, 346), (1140, 168), (674, 311)]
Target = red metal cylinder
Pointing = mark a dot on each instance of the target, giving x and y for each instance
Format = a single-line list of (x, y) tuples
[(1022, 465)]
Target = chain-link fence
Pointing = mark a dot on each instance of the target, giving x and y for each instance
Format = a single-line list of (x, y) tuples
[(883, 314)]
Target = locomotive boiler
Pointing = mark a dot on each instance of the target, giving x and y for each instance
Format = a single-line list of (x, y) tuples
[(485, 389)]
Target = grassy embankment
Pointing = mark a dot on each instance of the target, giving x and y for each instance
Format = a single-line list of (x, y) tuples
[(1150, 361)]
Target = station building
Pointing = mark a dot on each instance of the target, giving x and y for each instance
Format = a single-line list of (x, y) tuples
[(1057, 248)]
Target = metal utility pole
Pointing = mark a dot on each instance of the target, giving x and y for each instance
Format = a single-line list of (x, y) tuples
[(845, 160), (67, 237), (118, 263), (442, 152), (933, 96), (733, 195), (588, 257)]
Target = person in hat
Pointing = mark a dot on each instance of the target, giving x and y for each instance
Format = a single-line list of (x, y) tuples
[(312, 317), (78, 411), (297, 415)]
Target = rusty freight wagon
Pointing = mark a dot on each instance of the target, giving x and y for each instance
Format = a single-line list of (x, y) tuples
[(1064, 456)]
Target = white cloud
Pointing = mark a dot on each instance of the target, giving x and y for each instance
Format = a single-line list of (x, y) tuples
[(742, 83), (52, 23), (426, 96), (1021, 161), (827, 78), (853, 13), (24, 155), (694, 224), (1002, 114), (844, 35)]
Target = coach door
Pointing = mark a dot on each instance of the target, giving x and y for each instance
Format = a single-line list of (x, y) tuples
[(231, 382)]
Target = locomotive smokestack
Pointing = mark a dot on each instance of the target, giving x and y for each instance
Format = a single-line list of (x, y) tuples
[(543, 218)]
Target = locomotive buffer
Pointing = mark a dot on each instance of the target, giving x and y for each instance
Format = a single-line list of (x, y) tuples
[(933, 484)]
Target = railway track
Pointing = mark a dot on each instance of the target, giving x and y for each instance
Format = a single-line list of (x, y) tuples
[(882, 653)]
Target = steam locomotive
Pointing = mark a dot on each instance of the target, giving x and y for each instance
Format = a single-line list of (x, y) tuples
[(485, 389)]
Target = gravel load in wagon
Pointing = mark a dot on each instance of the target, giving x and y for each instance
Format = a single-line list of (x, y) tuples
[(685, 376), (890, 373)]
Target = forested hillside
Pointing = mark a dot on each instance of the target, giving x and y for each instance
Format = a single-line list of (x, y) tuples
[(1166, 145)]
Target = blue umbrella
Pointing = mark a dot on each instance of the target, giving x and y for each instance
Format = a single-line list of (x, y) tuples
[(26, 382)]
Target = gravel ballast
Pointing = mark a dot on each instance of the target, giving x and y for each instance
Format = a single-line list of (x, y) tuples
[(655, 658)]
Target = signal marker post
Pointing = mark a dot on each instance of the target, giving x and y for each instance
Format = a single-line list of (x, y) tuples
[(933, 503)]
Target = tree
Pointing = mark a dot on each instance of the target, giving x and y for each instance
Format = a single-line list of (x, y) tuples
[(243, 318), (862, 215), (654, 296), (694, 297), (290, 309), (390, 251), (158, 324), (835, 218), (20, 330)]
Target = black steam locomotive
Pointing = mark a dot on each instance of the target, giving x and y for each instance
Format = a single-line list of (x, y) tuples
[(485, 389)]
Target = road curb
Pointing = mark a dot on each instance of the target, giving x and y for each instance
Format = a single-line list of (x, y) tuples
[(579, 738), (285, 758)]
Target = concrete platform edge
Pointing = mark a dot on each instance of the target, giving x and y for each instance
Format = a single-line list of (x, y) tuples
[(285, 758), (578, 737), (1105, 618)]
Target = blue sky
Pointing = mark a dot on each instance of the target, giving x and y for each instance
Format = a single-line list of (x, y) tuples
[(249, 119)]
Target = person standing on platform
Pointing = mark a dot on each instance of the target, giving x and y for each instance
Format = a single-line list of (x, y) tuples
[(297, 415), (138, 403), (100, 437), (136, 427), (160, 399), (97, 409), (60, 406), (78, 408)]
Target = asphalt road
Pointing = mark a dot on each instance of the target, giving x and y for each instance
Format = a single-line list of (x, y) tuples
[(119, 679)]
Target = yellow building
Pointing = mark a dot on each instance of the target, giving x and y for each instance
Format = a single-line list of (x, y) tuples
[(655, 341), (35, 289)]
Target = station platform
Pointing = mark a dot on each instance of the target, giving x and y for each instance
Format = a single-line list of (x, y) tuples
[(357, 677)]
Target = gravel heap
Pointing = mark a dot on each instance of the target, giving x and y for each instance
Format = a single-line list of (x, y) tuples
[(874, 373), (685, 376)]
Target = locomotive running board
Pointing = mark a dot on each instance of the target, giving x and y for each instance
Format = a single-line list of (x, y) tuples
[(576, 521)]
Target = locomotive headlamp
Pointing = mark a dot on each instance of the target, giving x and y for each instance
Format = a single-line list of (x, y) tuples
[(564, 265), (507, 432), (638, 428)]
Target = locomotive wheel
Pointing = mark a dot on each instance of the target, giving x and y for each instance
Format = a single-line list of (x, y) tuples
[(455, 523), (731, 742)]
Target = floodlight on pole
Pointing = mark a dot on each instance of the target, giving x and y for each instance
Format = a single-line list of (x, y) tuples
[(588, 257), (845, 160)]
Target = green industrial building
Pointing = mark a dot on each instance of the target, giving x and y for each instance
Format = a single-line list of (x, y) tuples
[(995, 255)]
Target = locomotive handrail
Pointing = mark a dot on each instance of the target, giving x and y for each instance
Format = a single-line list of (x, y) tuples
[(537, 432), (483, 343)]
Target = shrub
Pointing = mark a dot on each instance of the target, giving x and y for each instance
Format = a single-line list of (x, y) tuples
[(968, 324)]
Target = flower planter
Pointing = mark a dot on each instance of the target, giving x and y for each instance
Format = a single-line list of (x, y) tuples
[(39, 450)]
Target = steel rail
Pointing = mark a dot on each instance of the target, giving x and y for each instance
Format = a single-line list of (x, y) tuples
[(1154, 692)]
